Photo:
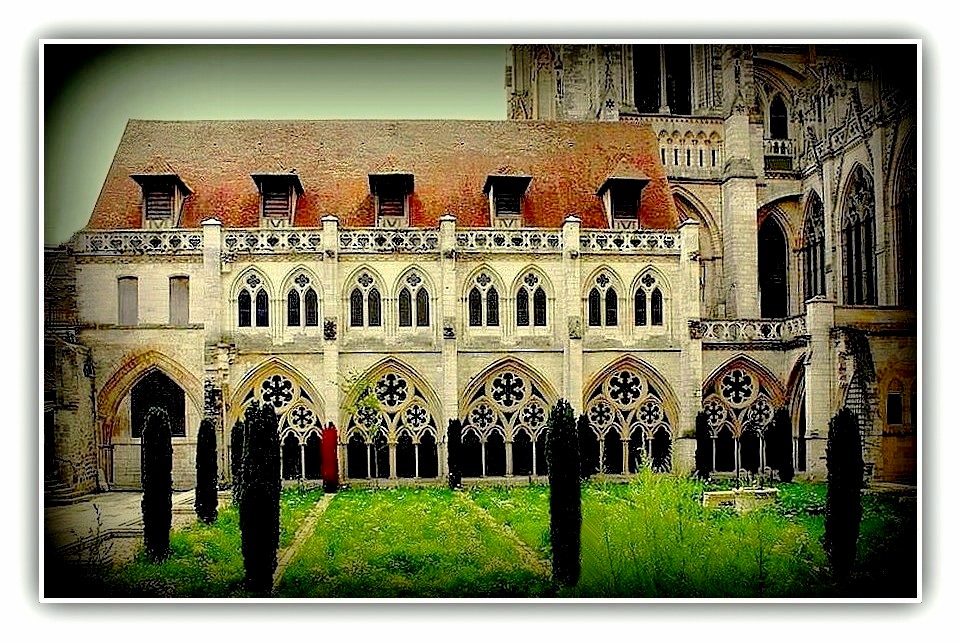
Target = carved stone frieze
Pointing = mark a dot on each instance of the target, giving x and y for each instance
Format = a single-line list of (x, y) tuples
[(330, 329)]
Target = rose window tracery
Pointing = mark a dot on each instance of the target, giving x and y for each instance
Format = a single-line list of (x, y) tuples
[(393, 405), (277, 391), (626, 411), (504, 402), (740, 407)]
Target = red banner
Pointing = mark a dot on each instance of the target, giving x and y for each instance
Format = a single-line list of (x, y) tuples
[(328, 458)]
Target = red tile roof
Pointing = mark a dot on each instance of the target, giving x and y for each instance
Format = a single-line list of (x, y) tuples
[(450, 161)]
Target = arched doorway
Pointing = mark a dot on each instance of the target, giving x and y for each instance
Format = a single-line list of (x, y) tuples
[(772, 269)]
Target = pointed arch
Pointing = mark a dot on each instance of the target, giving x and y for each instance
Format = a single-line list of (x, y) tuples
[(512, 364), (302, 393), (543, 280), (747, 363), (405, 399), (243, 281), (631, 362), (614, 281), (425, 281), (362, 297), (773, 250), (483, 291), (314, 280), (660, 280), (811, 242), (858, 237), (129, 372)]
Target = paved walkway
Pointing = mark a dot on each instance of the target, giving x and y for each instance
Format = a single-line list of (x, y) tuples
[(70, 528), (286, 556)]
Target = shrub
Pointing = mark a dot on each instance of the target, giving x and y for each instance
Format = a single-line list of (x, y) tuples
[(843, 507), (585, 437), (156, 463), (260, 498), (236, 457), (704, 454), (563, 469), (453, 453), (205, 495)]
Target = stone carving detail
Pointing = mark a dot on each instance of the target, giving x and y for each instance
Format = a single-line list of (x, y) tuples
[(501, 240), (136, 242), (406, 240), (749, 330), (630, 242), (274, 241), (574, 328), (507, 402), (330, 329), (213, 400)]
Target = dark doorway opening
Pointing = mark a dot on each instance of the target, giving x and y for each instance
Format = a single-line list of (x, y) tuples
[(772, 269)]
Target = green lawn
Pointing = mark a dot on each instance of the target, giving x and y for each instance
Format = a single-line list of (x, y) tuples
[(647, 538), (408, 543)]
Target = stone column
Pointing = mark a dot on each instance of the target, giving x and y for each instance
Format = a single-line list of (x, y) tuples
[(569, 308), (687, 329), (449, 305), (215, 358), (330, 387), (739, 190), (509, 454), (820, 380), (213, 283)]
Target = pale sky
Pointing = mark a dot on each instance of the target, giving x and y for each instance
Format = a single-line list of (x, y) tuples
[(90, 91)]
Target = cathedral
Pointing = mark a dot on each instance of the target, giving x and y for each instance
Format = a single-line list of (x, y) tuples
[(654, 231)]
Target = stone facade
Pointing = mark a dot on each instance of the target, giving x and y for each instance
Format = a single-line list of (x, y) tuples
[(388, 326)]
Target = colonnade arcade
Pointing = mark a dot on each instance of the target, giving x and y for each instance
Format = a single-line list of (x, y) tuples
[(740, 399)]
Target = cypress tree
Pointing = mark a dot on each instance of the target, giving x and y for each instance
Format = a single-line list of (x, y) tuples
[(842, 519), (205, 495), (703, 455), (563, 469), (156, 463), (453, 453), (260, 498), (584, 438), (236, 458)]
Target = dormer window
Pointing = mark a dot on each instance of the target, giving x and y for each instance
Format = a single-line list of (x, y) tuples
[(163, 197), (505, 193), (622, 200), (278, 197), (391, 193)]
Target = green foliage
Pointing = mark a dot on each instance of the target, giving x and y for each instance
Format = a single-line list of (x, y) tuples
[(156, 465), (563, 469), (260, 497), (409, 542), (704, 454), (205, 495), (584, 438), (843, 507), (237, 457), (453, 453)]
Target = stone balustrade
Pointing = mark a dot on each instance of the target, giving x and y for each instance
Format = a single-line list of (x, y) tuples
[(139, 242), (630, 242), (724, 331), (536, 240), (415, 240)]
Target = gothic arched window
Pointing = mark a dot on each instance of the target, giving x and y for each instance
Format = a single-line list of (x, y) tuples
[(506, 404), (483, 291), (528, 290), (778, 118), (243, 309), (627, 414), (648, 302), (293, 308), (540, 307), (474, 307), (365, 292), (263, 316), (858, 240), (373, 307), (594, 307), (311, 312), (405, 319), (356, 308), (423, 308), (813, 249)]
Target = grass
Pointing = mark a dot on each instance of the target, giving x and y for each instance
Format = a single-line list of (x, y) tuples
[(205, 560), (647, 538), (408, 543)]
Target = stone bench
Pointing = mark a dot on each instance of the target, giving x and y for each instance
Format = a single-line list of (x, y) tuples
[(741, 499)]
